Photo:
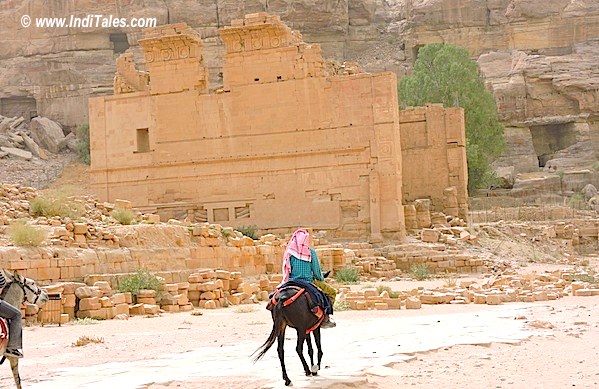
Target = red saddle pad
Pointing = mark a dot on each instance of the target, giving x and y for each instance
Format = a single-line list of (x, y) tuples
[(3, 333)]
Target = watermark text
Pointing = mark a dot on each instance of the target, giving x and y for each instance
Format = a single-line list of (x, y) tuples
[(89, 21)]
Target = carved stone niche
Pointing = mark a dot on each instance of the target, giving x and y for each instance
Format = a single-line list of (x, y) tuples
[(171, 48), (173, 55), (258, 32)]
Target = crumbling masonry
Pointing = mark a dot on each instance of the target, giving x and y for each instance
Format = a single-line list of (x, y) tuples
[(288, 140)]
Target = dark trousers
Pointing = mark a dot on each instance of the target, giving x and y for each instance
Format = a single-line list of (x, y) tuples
[(318, 296), (15, 327)]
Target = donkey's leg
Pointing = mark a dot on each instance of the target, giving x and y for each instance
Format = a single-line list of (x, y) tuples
[(14, 365), (301, 337), (314, 367), (310, 349), (281, 351), (319, 348)]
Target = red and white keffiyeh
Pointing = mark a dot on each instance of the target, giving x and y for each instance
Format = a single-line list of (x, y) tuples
[(299, 247)]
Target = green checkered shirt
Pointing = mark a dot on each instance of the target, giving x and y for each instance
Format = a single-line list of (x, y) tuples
[(306, 270)]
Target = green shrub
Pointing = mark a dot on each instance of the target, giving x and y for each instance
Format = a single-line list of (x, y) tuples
[(348, 275), (83, 143), (577, 201), (249, 231), (592, 279), (420, 271), (382, 288), (123, 215), (143, 279), (446, 74), (25, 235), (58, 202)]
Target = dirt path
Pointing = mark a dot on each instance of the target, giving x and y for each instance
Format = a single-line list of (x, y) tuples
[(427, 348)]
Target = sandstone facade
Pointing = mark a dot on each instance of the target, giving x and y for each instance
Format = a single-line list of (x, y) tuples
[(433, 146), (287, 130)]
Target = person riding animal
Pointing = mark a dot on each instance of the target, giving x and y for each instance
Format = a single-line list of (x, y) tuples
[(15, 327), (300, 266)]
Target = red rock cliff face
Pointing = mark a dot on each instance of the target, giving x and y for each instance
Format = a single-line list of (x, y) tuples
[(538, 57)]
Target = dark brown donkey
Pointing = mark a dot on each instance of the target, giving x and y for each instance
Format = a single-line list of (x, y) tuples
[(291, 308)]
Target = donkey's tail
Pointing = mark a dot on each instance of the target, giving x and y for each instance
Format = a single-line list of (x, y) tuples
[(277, 326)]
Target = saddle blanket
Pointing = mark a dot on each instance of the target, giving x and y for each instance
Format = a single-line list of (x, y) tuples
[(3, 333)]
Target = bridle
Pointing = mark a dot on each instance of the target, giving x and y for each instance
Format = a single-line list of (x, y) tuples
[(23, 286)]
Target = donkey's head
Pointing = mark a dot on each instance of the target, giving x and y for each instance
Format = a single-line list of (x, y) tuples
[(33, 294)]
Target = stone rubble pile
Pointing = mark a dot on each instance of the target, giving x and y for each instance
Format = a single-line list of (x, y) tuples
[(394, 260), (491, 290), (15, 204), (568, 238), (206, 288), (19, 140), (370, 262)]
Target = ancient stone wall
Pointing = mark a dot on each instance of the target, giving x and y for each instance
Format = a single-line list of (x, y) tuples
[(281, 144), (434, 157), (156, 248)]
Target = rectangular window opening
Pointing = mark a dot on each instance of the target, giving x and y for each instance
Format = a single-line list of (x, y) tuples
[(143, 140), (220, 214)]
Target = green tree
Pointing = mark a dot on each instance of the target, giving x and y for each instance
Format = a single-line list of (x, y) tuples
[(83, 143), (444, 73)]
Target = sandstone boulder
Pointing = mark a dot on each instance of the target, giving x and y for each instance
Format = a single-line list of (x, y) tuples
[(33, 147), (70, 142), (7, 124), (47, 133), (505, 176), (589, 191), (17, 153)]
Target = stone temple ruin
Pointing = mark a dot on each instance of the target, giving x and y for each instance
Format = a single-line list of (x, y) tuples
[(288, 140)]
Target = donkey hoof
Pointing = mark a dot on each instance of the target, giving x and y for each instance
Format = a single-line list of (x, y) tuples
[(288, 383)]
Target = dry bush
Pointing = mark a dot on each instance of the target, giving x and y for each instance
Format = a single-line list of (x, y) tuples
[(123, 215), (245, 309), (450, 280), (25, 235), (85, 321), (84, 340), (341, 306), (384, 288), (58, 202)]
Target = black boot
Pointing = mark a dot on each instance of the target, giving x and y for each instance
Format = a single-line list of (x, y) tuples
[(328, 322), (13, 352)]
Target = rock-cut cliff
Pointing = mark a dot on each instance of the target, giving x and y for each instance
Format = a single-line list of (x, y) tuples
[(540, 58)]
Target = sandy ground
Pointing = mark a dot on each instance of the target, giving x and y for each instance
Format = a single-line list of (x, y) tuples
[(552, 344)]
